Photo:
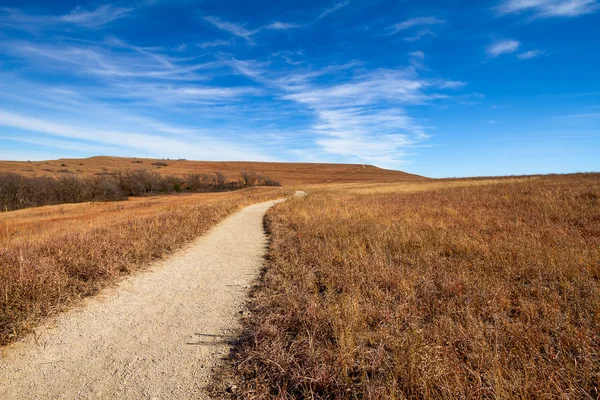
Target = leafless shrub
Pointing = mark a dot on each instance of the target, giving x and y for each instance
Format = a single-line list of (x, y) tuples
[(220, 179), (199, 182), (160, 164), (266, 181), (18, 191), (21, 192), (249, 179)]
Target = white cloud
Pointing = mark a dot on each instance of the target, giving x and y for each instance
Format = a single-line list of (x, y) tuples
[(503, 47), (416, 59), (158, 100), (549, 8), (530, 54), (204, 148), (410, 23), (334, 8), (246, 34), (452, 84), (363, 117), (397, 86), (214, 43), (98, 17), (234, 29), (580, 116), (281, 26), (99, 59), (93, 149)]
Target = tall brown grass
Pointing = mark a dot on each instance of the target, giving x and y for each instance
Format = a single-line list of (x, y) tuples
[(52, 256), (486, 291)]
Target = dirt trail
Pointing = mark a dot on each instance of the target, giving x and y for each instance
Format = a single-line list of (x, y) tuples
[(155, 336)]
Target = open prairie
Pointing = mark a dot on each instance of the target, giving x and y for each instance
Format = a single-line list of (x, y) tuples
[(54, 254), (450, 289), (51, 256), (286, 173), (415, 288)]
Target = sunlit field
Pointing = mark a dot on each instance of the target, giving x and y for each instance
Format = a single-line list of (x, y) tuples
[(451, 289), (52, 256)]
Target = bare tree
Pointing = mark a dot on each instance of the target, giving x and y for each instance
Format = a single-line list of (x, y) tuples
[(220, 179), (249, 179)]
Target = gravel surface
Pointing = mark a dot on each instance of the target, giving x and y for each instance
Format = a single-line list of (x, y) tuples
[(157, 335)]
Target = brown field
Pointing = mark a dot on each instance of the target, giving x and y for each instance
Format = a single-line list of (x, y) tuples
[(52, 256), (452, 289), (379, 284), (286, 173)]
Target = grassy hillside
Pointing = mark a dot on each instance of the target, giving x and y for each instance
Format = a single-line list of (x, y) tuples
[(286, 173)]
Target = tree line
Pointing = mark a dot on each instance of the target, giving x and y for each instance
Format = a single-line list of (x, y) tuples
[(20, 191)]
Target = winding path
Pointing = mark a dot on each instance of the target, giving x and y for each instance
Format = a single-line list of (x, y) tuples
[(157, 335)]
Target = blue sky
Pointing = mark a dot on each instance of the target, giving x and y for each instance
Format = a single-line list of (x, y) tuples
[(437, 88)]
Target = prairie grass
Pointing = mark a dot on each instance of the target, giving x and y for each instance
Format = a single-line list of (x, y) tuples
[(473, 291), (52, 256)]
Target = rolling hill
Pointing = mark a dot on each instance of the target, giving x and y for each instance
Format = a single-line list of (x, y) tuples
[(286, 173)]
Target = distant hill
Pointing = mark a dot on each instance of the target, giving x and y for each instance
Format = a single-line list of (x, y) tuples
[(286, 173)]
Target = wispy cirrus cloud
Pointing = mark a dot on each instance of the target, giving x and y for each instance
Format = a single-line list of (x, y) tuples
[(101, 60), (416, 58), (549, 8), (96, 18), (414, 22), (530, 54), (241, 31), (446, 84), (593, 115), (73, 145), (503, 47), (201, 147), (214, 43), (247, 34), (235, 29), (352, 111), (363, 116), (337, 6), (280, 26)]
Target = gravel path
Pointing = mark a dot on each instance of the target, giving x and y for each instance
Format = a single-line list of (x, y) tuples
[(155, 336)]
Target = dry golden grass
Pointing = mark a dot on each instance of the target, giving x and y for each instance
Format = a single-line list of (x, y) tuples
[(51, 256), (474, 291), (413, 186), (286, 173)]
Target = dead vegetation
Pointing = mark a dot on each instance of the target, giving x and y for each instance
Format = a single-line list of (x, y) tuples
[(474, 291), (21, 191), (52, 256)]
